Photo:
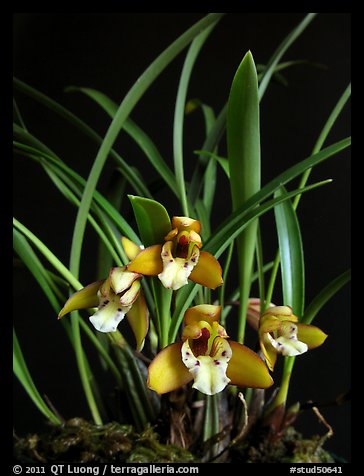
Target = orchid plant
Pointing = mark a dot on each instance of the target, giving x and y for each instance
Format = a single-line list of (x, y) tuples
[(166, 270)]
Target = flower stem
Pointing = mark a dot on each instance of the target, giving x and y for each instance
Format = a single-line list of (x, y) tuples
[(224, 278), (281, 397), (163, 300), (82, 367), (211, 423)]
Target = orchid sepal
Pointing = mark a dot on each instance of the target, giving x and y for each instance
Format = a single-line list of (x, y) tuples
[(167, 371), (207, 272), (131, 249), (312, 336), (138, 319), (246, 368), (85, 298), (148, 262)]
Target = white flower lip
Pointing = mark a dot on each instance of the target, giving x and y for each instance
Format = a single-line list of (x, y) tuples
[(209, 371), (176, 270), (286, 342)]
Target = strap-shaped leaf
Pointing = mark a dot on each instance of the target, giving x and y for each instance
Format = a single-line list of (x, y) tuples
[(135, 132), (227, 230), (22, 373), (179, 113), (291, 254), (325, 295), (243, 145)]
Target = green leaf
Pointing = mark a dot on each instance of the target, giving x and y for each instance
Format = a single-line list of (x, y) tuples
[(107, 104), (106, 234), (22, 373), (304, 178), (17, 117), (35, 153), (203, 218), (136, 133), (209, 180), (127, 171), (243, 146), (213, 138), (229, 229), (291, 255), (152, 219), (243, 135), (139, 396), (29, 258), (179, 114), (324, 296), (51, 257), (282, 48), (223, 161)]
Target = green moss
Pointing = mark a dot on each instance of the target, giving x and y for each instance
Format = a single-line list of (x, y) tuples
[(79, 441), (291, 447)]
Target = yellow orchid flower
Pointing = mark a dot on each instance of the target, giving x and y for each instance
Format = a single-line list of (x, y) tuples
[(280, 332), (207, 357), (118, 295), (179, 258)]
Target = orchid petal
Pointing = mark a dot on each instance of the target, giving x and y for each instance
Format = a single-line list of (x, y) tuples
[(129, 297), (269, 352), (121, 279), (209, 371), (167, 371), (246, 368), (85, 298), (138, 318), (131, 249), (172, 234), (192, 331), (148, 261), (269, 324), (104, 290), (207, 271), (310, 335)]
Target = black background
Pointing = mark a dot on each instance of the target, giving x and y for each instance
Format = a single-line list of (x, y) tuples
[(108, 52)]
